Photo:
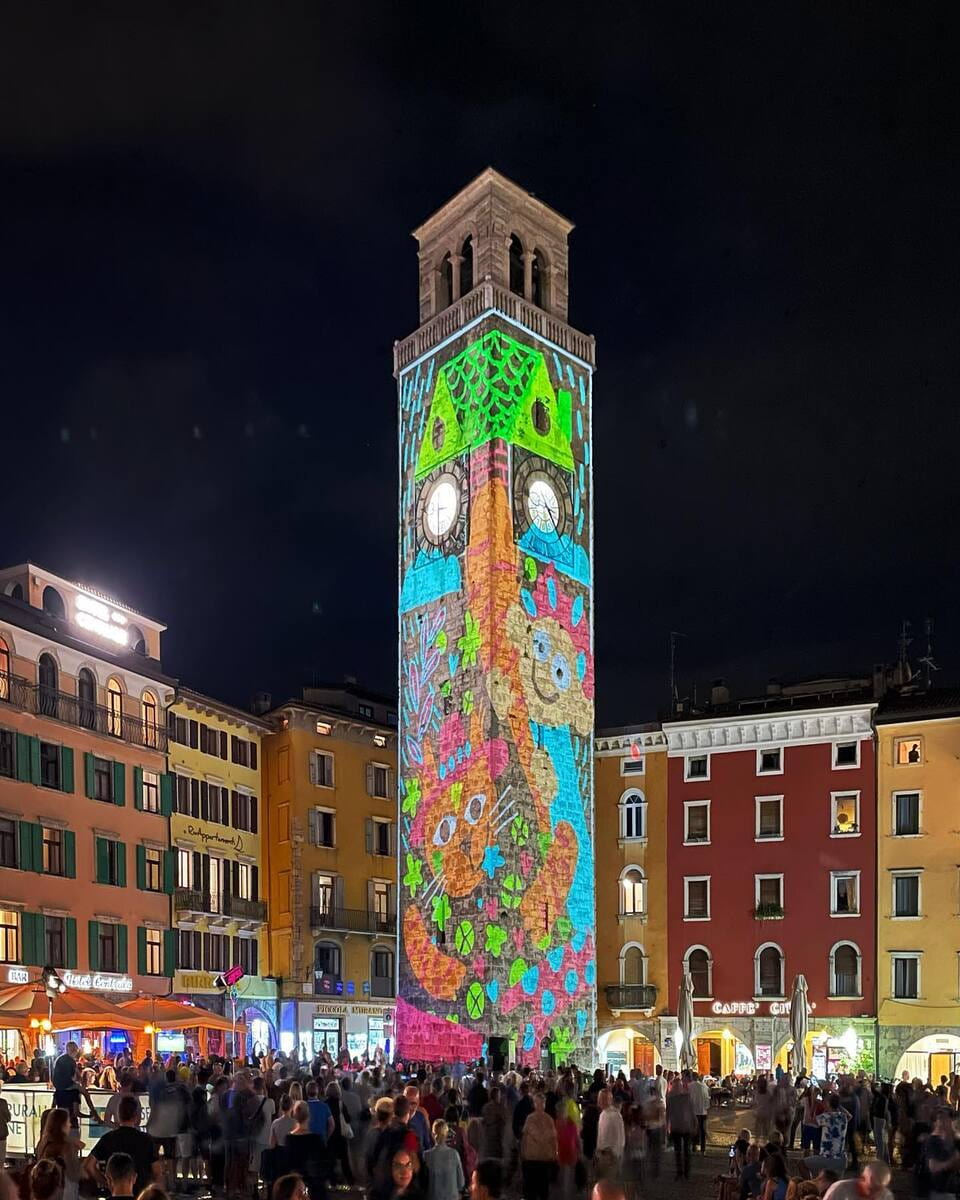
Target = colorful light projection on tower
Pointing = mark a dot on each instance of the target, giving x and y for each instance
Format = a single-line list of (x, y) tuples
[(496, 714)]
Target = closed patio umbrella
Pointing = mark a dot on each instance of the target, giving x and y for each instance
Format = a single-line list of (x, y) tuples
[(685, 1020), (798, 1024)]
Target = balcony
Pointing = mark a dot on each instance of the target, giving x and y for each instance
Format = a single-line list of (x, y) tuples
[(15, 691), (71, 710), (353, 920), (245, 910), (191, 900), (630, 996), (198, 901)]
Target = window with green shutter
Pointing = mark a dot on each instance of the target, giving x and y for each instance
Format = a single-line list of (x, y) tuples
[(169, 952), (138, 788), (169, 871), (66, 769), (69, 854), (141, 950), (166, 795), (119, 783), (141, 855), (122, 948), (31, 932), (111, 862), (71, 962), (31, 846), (93, 945), (25, 758)]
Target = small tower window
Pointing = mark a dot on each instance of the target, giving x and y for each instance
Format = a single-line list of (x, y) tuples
[(466, 266), (539, 279), (541, 417), (437, 434), (445, 284), (53, 602), (516, 265)]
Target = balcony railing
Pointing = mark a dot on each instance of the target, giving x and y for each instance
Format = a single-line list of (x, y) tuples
[(15, 690), (198, 901), (352, 920), (245, 910), (191, 900), (72, 710), (631, 995)]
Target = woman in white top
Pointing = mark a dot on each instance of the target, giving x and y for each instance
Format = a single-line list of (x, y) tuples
[(283, 1124)]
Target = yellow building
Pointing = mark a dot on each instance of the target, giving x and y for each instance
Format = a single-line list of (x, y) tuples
[(918, 882), (330, 773), (220, 909), (631, 835)]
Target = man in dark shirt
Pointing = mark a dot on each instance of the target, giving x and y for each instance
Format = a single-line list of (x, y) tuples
[(477, 1096), (126, 1139), (942, 1159)]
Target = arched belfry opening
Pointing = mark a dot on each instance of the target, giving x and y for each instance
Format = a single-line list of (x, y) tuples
[(516, 265)]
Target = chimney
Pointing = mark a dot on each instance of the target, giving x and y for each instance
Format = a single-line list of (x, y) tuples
[(773, 686), (262, 702), (719, 693)]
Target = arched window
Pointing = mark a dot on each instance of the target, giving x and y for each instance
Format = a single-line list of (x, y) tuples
[(633, 815), (633, 892), (445, 284), (539, 279), (516, 265), (699, 964), (114, 707), (87, 697), (136, 641), (148, 714), (845, 970), (381, 971), (4, 670), (466, 266), (633, 965), (53, 602), (769, 971), (49, 679), (15, 591), (326, 963)]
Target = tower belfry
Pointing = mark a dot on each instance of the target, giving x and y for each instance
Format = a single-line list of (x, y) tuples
[(497, 913)]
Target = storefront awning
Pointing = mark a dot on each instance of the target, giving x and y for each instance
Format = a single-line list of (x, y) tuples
[(72, 1009)]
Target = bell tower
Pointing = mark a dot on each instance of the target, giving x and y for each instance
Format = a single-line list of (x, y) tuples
[(497, 912)]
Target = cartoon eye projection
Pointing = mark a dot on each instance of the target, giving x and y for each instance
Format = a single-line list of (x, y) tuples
[(474, 810), (445, 830), (541, 645), (560, 672)]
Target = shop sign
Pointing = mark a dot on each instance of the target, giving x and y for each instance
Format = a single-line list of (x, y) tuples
[(98, 982), (749, 1008), (217, 838), (18, 975), (359, 1010), (195, 981)]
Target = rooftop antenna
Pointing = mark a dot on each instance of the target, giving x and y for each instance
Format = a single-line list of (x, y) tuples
[(903, 672), (927, 661), (674, 695)]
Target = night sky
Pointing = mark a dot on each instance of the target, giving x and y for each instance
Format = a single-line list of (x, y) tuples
[(206, 259)]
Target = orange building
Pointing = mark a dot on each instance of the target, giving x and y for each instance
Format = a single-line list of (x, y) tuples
[(84, 798)]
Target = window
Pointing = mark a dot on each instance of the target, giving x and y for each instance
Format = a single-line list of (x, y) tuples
[(103, 780), (378, 781), (114, 708), (634, 765), (541, 417), (323, 827), (381, 838), (633, 816), (380, 901), (844, 893), (845, 970), (768, 895), (466, 266), (538, 279), (148, 717), (216, 952), (87, 698), (515, 265), (245, 949), (8, 753), (189, 955), (633, 892), (8, 842), (633, 965), (769, 825), (9, 936), (55, 941), (185, 797), (696, 898), (321, 769), (381, 972), (326, 960), (153, 869), (243, 752), (700, 968), (150, 792), (769, 964), (107, 946), (696, 766), (906, 976), (846, 754), (110, 862), (845, 814), (906, 894), (770, 761), (52, 844), (323, 887), (906, 814), (244, 811), (909, 751), (49, 765), (48, 676), (52, 602), (696, 821), (185, 870), (4, 670), (153, 957), (365, 711)]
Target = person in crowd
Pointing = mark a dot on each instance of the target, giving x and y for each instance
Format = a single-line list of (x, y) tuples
[(445, 1177), (538, 1151), (121, 1176), (611, 1136), (153, 1192), (125, 1088), (680, 1126), (283, 1124), (341, 1132), (128, 1138), (46, 1180), (938, 1170), (4, 1127), (67, 1085), (774, 1177), (833, 1124), (321, 1119), (290, 1187), (763, 1109), (57, 1143), (654, 1115), (405, 1176), (751, 1181), (486, 1181), (494, 1120), (700, 1100), (871, 1184), (168, 1119)]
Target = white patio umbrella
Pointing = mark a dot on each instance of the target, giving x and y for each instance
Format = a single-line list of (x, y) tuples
[(685, 1020), (798, 1024)]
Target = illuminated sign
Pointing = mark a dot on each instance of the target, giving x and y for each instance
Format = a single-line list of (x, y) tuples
[(18, 975), (98, 982), (747, 1008), (98, 618)]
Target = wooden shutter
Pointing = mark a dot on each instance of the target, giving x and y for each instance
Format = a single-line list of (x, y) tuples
[(194, 797), (370, 779), (121, 864), (233, 871), (141, 856), (28, 859), (169, 952), (203, 738), (223, 744), (254, 814), (66, 769), (24, 758), (103, 860), (69, 854), (204, 796), (206, 952), (312, 761), (391, 899), (138, 788), (338, 893), (119, 784), (89, 786), (31, 933), (393, 839), (93, 944), (313, 826), (198, 877), (371, 907), (253, 754), (122, 948), (194, 735), (235, 810), (71, 924), (391, 784), (166, 795), (35, 760), (205, 873), (368, 828), (255, 882), (169, 871), (141, 950)]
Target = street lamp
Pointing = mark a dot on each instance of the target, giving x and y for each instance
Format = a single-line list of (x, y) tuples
[(54, 986), (150, 1030)]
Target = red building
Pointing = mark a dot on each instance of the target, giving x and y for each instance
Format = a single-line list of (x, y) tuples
[(771, 867)]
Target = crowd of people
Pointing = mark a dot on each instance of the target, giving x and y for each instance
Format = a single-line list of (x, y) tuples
[(283, 1129)]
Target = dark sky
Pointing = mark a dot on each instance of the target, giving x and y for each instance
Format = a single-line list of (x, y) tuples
[(206, 258)]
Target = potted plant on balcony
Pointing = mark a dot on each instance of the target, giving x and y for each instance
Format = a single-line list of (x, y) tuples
[(768, 912)]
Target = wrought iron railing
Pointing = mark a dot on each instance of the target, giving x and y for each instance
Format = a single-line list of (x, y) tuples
[(226, 905), (191, 900), (631, 995), (85, 714), (244, 909), (352, 920), (14, 690)]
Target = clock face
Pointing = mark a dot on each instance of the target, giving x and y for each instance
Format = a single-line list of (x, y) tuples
[(442, 508), (543, 505)]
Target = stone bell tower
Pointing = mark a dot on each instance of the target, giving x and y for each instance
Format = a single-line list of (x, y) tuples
[(497, 913)]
